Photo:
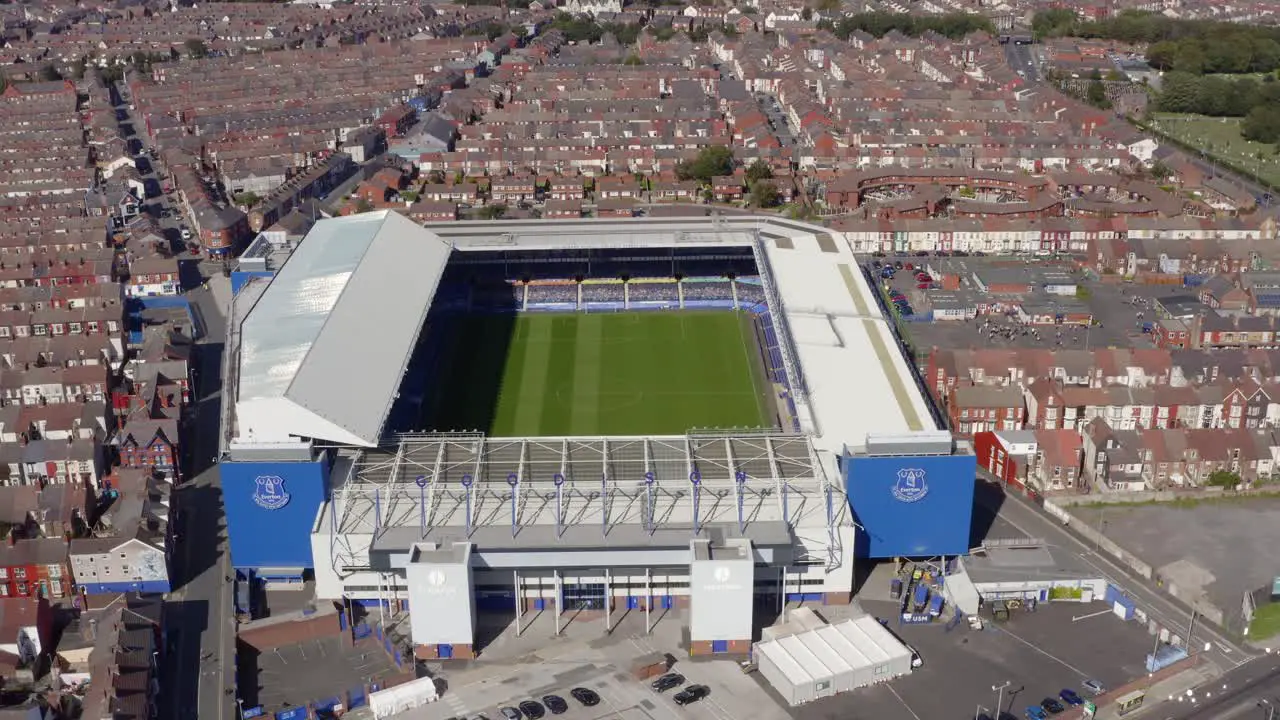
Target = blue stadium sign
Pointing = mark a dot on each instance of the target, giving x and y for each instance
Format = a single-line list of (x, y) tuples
[(269, 493), (911, 486)]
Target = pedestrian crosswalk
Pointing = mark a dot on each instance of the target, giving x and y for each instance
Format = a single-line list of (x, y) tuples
[(456, 704)]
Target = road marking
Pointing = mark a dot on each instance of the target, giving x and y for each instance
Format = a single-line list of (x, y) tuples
[(904, 702), (1090, 615), (1156, 605), (1042, 651)]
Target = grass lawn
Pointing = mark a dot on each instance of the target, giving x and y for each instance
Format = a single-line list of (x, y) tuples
[(646, 373), (1266, 622), (1220, 138)]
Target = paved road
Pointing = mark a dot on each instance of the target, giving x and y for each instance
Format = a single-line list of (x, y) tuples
[(200, 665), (1170, 613), (1022, 58), (207, 641), (1249, 691)]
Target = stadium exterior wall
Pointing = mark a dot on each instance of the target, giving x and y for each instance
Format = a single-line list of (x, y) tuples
[(271, 509), (918, 506)]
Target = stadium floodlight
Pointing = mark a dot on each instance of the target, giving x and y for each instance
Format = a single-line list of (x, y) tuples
[(558, 479), (741, 478), (421, 482), (466, 489), (513, 480), (695, 479), (650, 523)]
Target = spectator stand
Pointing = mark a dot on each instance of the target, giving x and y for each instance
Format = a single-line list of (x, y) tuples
[(653, 293), (708, 292), (603, 295), (551, 296)]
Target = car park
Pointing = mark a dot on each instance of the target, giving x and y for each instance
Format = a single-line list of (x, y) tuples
[(510, 713), (555, 704), (668, 681), (1070, 697), (586, 696), (1052, 706), (691, 694), (532, 710)]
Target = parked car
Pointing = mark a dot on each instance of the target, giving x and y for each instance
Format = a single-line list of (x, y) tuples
[(1093, 687), (586, 696), (555, 704), (1070, 697), (532, 709), (510, 713), (1035, 712), (1052, 706), (691, 694), (668, 681)]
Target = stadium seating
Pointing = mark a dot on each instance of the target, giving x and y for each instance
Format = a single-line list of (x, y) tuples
[(653, 290), (707, 290), (603, 292), (555, 294)]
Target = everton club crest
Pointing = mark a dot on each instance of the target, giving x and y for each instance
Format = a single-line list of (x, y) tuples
[(911, 486), (269, 493)]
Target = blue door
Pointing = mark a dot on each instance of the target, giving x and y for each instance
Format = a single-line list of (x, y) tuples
[(719, 646), (633, 602), (668, 602), (444, 651), (539, 603)]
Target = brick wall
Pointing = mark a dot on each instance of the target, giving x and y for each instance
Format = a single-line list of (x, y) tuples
[(273, 635)]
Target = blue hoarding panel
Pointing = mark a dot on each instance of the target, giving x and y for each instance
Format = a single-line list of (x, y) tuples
[(125, 586), (240, 278), (271, 507), (911, 506)]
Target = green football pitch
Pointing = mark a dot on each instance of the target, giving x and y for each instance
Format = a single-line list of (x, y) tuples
[(647, 373)]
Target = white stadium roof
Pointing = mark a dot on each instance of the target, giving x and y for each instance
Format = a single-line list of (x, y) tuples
[(323, 351)]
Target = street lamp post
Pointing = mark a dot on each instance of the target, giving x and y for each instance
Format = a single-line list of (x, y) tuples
[(978, 712), (999, 691)]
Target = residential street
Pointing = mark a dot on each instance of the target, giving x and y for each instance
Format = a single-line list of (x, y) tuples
[(200, 611)]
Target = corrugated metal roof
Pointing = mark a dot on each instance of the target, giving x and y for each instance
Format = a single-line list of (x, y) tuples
[(334, 330)]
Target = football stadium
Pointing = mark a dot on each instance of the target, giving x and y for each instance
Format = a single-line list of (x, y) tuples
[(710, 415)]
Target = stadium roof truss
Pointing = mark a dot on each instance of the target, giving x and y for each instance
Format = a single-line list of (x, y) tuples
[(466, 481)]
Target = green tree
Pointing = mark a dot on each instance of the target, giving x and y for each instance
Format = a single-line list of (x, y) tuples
[(758, 171), (49, 73), (1096, 93), (633, 59), (196, 48), (493, 211), (713, 161), (247, 199), (363, 206), (1053, 22), (763, 194), (1161, 55), (1223, 479), (1262, 124), (806, 14)]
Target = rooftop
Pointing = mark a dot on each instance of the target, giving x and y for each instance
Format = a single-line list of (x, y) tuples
[(352, 296)]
